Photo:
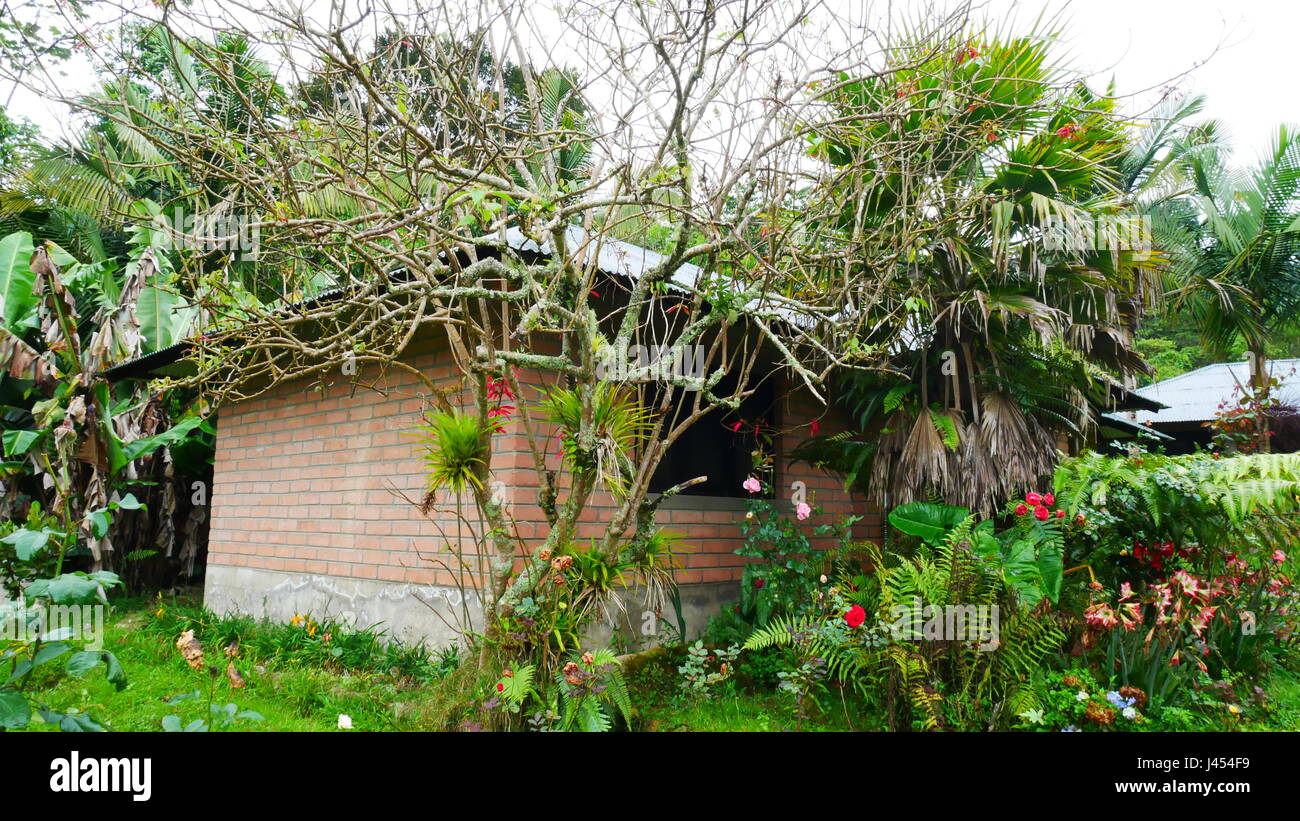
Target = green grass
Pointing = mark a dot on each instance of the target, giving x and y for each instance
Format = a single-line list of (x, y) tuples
[(288, 680), (745, 703), (301, 677)]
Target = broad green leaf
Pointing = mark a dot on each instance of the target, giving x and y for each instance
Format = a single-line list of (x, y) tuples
[(143, 447), (155, 310), (15, 712), (1050, 570), (18, 442), (83, 662), (927, 521), (113, 671), (1021, 571), (16, 278), (50, 652), (27, 543), (129, 502), (70, 588), (100, 520), (79, 723)]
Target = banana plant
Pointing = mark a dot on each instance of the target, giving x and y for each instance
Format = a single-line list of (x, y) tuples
[(78, 436)]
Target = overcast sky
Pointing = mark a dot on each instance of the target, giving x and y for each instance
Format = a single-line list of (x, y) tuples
[(1239, 53)]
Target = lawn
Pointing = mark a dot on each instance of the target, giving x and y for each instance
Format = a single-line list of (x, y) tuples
[(300, 677)]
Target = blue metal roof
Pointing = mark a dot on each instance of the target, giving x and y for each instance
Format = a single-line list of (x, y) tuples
[(1196, 395)]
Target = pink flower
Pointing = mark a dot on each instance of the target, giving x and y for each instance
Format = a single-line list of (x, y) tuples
[(1125, 591), (802, 511), (1021, 510), (1100, 616), (1279, 556), (752, 485), (1033, 499), (1131, 614), (1049, 499)]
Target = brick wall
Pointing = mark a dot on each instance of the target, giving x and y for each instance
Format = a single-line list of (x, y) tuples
[(317, 482)]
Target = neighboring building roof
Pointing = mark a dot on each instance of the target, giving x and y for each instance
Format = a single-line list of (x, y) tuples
[(1195, 396)]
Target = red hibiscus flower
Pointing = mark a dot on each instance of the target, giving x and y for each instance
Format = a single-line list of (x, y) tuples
[(1041, 513), (1033, 499), (1021, 509), (855, 616), (1049, 499)]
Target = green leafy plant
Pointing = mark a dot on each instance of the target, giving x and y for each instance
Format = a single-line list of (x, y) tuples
[(36, 648), (452, 445)]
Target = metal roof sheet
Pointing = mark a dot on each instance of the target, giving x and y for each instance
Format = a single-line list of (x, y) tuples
[(615, 257), (1195, 396)]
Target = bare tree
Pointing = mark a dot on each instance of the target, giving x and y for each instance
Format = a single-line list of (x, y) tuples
[(467, 167)]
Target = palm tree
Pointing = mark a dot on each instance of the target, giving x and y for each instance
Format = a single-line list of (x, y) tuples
[(1014, 327), (1236, 244)]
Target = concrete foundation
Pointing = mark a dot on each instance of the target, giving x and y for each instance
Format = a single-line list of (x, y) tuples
[(429, 614)]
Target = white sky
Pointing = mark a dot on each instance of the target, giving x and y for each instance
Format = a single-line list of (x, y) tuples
[(1240, 54)]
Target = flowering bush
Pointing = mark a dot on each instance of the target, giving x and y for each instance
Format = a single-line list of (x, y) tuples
[(1187, 561), (784, 577), (1072, 701)]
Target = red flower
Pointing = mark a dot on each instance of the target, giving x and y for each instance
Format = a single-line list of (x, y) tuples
[(1049, 499), (1033, 499), (735, 428), (1021, 510), (1079, 519), (855, 616), (1068, 131), (500, 687), (758, 583), (1041, 513), (498, 389), (1060, 514), (815, 426)]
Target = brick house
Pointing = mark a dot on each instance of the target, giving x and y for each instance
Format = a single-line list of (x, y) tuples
[(313, 500)]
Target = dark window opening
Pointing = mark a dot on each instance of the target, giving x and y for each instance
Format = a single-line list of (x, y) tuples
[(711, 447)]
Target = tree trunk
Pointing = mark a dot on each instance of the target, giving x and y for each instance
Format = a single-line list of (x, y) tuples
[(1259, 389)]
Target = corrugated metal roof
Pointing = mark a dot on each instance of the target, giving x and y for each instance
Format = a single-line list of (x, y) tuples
[(1195, 396), (615, 257)]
